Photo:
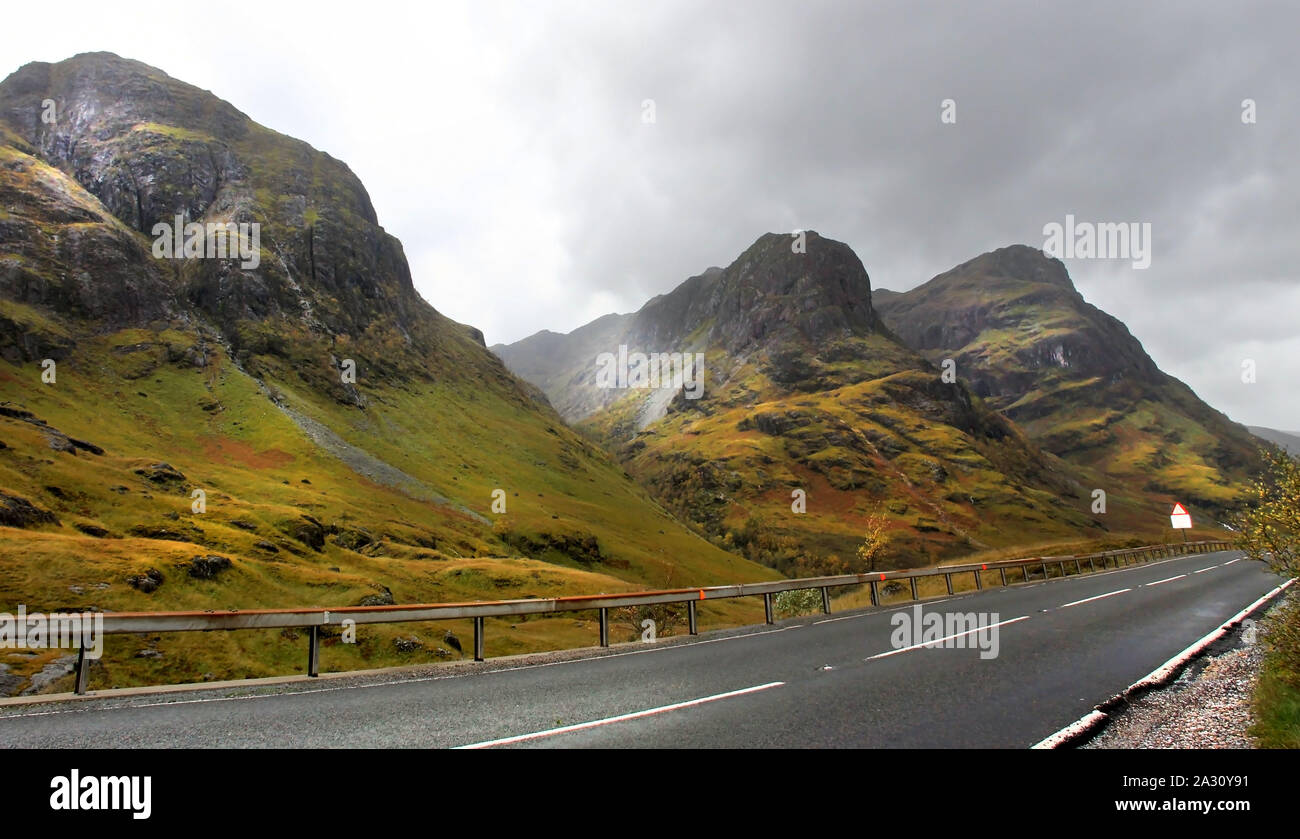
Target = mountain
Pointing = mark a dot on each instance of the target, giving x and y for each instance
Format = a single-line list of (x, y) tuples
[(803, 388), (296, 409), (1074, 378), (1288, 440)]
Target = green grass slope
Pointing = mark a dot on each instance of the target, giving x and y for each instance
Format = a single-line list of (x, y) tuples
[(177, 377), (1078, 383)]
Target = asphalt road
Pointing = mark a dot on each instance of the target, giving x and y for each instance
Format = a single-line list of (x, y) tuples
[(814, 682)]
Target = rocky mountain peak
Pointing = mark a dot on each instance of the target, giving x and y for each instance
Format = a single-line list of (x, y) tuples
[(804, 288), (1021, 263), (156, 152)]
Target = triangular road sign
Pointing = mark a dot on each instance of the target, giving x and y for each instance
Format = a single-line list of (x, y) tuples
[(1180, 519)]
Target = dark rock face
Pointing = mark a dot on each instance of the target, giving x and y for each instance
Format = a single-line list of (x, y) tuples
[(772, 294), (383, 598), (309, 532), (207, 567), (16, 511), (161, 473), (148, 582), (1017, 289), (131, 148)]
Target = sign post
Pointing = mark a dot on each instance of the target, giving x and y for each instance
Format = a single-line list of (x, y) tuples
[(1181, 519)]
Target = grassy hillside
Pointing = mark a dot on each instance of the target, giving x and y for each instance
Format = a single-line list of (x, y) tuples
[(806, 391), (1078, 383), (204, 375)]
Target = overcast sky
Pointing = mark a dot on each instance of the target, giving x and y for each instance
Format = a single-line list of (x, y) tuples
[(507, 146)]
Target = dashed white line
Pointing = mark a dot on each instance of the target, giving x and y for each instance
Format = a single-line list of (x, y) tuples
[(1238, 559), (948, 638), (845, 618), (1090, 599), (1165, 580), (92, 709), (1203, 570), (677, 706)]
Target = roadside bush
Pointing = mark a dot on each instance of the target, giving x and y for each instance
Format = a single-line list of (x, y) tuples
[(806, 601), (1276, 702)]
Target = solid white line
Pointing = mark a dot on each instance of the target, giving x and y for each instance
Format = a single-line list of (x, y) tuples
[(1165, 580), (1090, 599), (551, 732), (949, 638), (1159, 675)]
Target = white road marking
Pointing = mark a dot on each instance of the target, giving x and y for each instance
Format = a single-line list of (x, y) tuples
[(390, 683), (1090, 599), (1156, 677), (845, 618), (1203, 570), (677, 706), (89, 708), (1165, 580), (949, 638)]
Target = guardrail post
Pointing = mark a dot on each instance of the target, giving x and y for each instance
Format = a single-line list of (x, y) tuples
[(83, 669), (913, 581), (1044, 571), (478, 639), (1003, 572), (604, 627), (767, 607), (979, 583), (1078, 569), (693, 628), (1024, 571), (947, 579), (875, 594), (826, 600), (1092, 566), (313, 651)]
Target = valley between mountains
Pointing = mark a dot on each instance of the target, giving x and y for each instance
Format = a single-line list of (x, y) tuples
[(304, 429)]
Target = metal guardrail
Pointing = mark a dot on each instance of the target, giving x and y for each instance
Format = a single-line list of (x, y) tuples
[(117, 623)]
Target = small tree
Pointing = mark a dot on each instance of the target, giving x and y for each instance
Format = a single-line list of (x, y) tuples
[(874, 541), (1269, 529)]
